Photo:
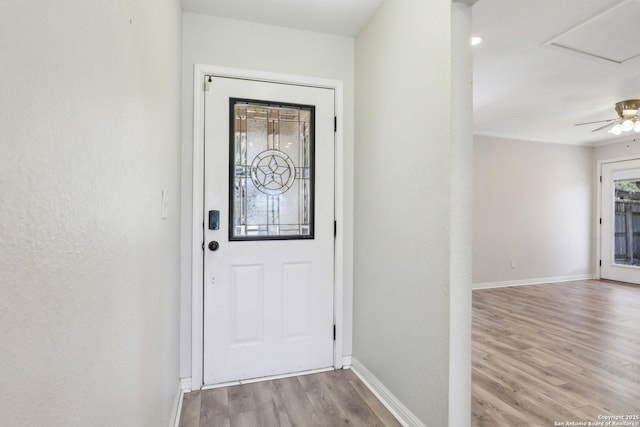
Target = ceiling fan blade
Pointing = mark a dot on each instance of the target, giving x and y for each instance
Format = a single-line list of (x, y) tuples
[(611, 124), (598, 121)]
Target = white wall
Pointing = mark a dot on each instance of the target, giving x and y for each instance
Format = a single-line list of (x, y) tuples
[(229, 43), (403, 203), (89, 119), (461, 215), (532, 203), (624, 149)]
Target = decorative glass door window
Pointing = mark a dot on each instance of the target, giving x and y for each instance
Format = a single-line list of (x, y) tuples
[(271, 170), (627, 222)]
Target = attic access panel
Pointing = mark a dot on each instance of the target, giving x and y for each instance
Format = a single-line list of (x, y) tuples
[(609, 36)]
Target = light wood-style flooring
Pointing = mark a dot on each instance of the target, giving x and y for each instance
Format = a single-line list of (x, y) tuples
[(334, 398), (545, 354)]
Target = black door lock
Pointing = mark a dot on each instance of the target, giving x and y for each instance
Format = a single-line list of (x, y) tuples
[(213, 245), (214, 220)]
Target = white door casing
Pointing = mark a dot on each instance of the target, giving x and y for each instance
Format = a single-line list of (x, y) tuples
[(268, 305), (609, 268)]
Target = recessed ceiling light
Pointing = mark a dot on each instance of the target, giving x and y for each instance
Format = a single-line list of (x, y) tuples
[(475, 40)]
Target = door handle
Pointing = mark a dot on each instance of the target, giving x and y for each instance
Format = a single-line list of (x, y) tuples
[(213, 246)]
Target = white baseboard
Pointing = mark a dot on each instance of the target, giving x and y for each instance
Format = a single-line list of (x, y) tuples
[(401, 412), (346, 362), (538, 281), (185, 384), (177, 406)]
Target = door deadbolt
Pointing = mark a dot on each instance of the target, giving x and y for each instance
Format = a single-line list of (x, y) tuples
[(213, 245)]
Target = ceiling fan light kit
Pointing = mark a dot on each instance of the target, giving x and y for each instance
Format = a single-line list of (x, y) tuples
[(616, 130), (627, 120), (628, 117), (628, 108)]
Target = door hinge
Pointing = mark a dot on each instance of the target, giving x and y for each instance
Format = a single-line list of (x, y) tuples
[(335, 123), (334, 332), (600, 178), (207, 84), (600, 263), (335, 228), (203, 246), (600, 220)]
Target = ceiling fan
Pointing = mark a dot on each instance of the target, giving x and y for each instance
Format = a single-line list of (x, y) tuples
[(627, 119)]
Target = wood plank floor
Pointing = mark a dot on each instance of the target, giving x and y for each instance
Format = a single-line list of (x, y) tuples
[(334, 398), (547, 354)]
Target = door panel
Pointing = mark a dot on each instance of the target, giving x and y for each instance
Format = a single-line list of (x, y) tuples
[(247, 304), (296, 303), (268, 288), (620, 232)]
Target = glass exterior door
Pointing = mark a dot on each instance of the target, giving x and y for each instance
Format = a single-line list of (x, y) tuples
[(627, 221), (620, 221), (268, 259)]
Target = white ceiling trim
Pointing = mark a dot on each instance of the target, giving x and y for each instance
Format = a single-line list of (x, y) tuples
[(520, 138), (629, 139)]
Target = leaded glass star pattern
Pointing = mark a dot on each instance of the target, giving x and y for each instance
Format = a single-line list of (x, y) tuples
[(273, 172), (272, 157)]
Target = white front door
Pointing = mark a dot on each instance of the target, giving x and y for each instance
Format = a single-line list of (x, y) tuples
[(620, 211), (269, 211)]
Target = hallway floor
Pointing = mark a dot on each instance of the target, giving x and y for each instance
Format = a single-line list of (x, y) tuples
[(330, 399)]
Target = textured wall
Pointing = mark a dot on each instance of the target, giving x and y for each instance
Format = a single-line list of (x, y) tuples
[(461, 216), (403, 202), (206, 41), (532, 204), (89, 138)]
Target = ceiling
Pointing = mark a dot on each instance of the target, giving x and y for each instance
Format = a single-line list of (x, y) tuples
[(339, 17), (530, 80), (525, 88)]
